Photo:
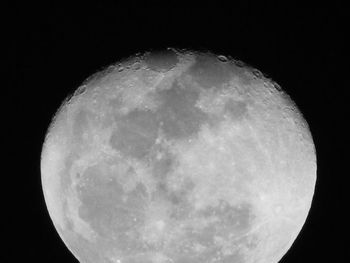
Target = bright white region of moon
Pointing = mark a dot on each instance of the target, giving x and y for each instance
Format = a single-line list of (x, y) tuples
[(178, 157)]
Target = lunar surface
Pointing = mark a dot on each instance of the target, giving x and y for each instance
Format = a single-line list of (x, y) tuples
[(178, 157)]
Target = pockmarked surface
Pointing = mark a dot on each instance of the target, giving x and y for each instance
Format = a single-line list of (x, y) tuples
[(178, 157)]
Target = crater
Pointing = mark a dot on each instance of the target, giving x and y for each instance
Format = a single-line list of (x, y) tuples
[(179, 117)]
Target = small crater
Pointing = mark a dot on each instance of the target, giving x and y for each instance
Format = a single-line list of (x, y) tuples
[(223, 58), (161, 61), (178, 114), (239, 63)]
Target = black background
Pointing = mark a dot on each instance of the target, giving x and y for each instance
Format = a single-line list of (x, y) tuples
[(54, 47)]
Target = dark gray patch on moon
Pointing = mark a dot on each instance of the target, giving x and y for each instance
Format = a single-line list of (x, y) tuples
[(80, 124), (234, 258), (187, 258), (161, 60), (233, 218), (144, 258), (162, 167), (209, 72), (103, 205), (236, 110), (135, 134), (178, 114), (180, 196)]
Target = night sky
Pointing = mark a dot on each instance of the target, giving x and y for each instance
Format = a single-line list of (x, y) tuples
[(51, 49)]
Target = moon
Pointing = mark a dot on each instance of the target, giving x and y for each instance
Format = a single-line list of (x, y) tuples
[(178, 156)]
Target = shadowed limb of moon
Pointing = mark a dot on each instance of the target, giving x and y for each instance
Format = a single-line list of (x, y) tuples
[(176, 157)]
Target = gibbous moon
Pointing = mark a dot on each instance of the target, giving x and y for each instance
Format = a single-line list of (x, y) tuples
[(178, 157)]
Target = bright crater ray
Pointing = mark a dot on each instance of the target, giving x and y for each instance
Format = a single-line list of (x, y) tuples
[(178, 157)]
